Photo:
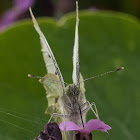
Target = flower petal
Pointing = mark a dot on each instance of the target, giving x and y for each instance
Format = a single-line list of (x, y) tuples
[(52, 130), (96, 124), (23, 5), (19, 7), (69, 126)]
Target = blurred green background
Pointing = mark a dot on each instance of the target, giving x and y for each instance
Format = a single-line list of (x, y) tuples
[(108, 40)]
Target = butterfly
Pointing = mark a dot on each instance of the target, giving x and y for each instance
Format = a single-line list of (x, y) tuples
[(64, 102)]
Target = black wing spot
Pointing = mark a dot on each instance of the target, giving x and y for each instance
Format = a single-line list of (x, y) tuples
[(49, 56), (56, 73)]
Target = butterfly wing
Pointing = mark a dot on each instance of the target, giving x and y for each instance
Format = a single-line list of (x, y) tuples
[(53, 89), (50, 61), (76, 75)]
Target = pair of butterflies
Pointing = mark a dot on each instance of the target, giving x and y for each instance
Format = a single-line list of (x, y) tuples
[(67, 102)]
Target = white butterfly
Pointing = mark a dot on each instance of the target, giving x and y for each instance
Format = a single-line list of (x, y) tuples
[(64, 102)]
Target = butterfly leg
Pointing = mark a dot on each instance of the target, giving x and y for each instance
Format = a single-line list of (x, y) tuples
[(90, 107), (59, 115), (94, 107), (83, 105)]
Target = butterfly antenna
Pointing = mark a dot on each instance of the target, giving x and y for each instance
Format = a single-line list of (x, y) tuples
[(32, 76), (121, 68)]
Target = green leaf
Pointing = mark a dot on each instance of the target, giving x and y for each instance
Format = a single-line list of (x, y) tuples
[(107, 42)]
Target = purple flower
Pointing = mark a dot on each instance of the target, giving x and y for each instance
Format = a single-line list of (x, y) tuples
[(93, 124), (52, 132), (19, 7)]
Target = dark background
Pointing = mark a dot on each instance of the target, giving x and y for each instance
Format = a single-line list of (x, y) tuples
[(56, 8)]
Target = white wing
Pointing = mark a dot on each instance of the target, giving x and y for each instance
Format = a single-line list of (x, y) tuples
[(50, 62), (76, 75)]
